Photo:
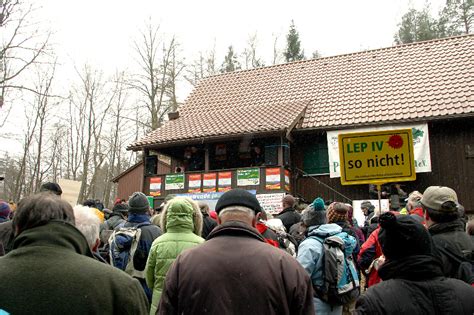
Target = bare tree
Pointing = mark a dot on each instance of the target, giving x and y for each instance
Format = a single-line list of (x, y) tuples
[(251, 60), (153, 82), (24, 42), (276, 52)]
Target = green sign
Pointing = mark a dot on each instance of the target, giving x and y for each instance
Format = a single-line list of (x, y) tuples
[(174, 181), (248, 177), (150, 201)]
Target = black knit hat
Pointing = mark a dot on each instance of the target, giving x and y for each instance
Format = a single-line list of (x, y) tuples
[(138, 203), (402, 236), (238, 197)]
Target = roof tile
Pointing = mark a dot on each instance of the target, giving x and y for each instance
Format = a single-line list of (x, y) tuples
[(425, 79)]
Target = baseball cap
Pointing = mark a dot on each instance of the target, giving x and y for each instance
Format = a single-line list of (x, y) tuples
[(435, 196)]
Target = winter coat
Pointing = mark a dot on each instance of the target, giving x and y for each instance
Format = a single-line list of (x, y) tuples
[(208, 225), (452, 237), (310, 254), (235, 272), (269, 236), (352, 232), (113, 222), (149, 233), (289, 216), (369, 251), (51, 271), (179, 229), (7, 236), (415, 285), (298, 232)]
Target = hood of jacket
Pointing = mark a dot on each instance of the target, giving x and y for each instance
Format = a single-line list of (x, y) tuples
[(54, 233), (325, 230), (438, 228), (181, 215)]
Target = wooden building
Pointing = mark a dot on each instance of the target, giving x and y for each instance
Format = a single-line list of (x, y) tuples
[(278, 120)]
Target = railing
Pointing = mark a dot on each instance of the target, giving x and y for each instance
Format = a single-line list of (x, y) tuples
[(263, 179)]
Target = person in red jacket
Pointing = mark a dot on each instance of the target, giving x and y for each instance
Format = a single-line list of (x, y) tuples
[(269, 236), (370, 257)]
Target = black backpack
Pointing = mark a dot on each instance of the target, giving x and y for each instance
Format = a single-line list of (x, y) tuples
[(465, 265)]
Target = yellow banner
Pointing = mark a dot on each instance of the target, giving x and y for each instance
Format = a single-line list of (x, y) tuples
[(376, 157)]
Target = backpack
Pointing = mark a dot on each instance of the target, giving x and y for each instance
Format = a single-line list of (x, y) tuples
[(465, 269), (123, 245), (341, 282)]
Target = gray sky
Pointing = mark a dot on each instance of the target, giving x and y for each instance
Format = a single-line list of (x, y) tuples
[(101, 32)]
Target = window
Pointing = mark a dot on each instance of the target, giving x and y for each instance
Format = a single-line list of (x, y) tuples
[(316, 160)]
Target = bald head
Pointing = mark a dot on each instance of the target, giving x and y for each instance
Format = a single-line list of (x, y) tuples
[(288, 201)]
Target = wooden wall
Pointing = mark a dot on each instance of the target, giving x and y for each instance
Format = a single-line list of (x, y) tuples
[(450, 142), (130, 182)]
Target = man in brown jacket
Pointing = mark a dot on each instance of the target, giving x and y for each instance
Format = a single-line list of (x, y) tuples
[(235, 271)]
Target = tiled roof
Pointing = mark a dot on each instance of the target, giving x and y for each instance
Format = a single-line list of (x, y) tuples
[(420, 81)]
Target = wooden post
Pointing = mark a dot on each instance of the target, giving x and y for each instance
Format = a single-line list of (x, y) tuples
[(206, 158)]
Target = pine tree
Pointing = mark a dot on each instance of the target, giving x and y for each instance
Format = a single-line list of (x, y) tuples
[(417, 26), (457, 17), (231, 62), (293, 49)]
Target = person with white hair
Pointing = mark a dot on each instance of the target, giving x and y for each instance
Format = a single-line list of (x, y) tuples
[(89, 224)]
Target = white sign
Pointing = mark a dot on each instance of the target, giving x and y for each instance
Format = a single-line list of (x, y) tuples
[(359, 215), (421, 145), (271, 203), (70, 190)]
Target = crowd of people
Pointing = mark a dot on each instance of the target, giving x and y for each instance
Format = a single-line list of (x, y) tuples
[(182, 258)]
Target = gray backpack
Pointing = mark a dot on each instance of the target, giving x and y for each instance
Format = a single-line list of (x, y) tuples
[(341, 282)]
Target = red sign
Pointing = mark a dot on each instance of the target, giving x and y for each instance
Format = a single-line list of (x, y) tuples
[(272, 178), (194, 183), (155, 186), (209, 183), (225, 181)]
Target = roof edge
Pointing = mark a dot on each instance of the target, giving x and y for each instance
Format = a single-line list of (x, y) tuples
[(385, 122), (209, 139), (419, 43), (128, 170)]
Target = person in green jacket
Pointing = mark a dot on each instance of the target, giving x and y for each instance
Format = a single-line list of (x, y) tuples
[(181, 222)]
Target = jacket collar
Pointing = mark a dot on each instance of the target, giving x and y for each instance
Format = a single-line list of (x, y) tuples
[(55, 234), (416, 268), (235, 228), (438, 228), (289, 209), (138, 218)]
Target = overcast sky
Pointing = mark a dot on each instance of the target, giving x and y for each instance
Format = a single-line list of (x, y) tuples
[(101, 32)]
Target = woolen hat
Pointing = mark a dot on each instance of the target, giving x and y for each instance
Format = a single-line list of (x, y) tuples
[(401, 236), (312, 216), (4, 209), (138, 203), (318, 204), (435, 197), (238, 197), (337, 212), (120, 208)]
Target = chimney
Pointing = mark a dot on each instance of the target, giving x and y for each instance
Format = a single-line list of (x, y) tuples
[(173, 115)]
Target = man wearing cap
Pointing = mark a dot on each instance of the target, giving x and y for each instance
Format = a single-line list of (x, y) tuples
[(139, 217), (235, 271), (413, 281), (440, 205)]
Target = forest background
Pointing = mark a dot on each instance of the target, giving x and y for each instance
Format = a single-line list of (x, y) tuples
[(64, 116)]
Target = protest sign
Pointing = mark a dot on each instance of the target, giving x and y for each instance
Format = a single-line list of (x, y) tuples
[(376, 157)]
